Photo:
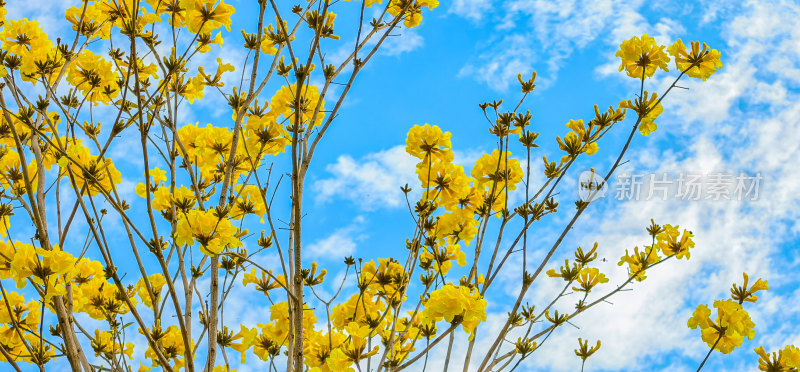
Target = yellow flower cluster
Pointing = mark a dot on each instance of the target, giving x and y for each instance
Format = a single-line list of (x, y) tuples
[(284, 103), (203, 16), (496, 174), (648, 107), (587, 277), (94, 76), (156, 282), (447, 185), (729, 328), (410, 11), (641, 56), (93, 294), (668, 241), (106, 343), (787, 359), (26, 316), (699, 64), (451, 301), (732, 323), (25, 39), (51, 271), (213, 231), (171, 343), (353, 322), (92, 175)]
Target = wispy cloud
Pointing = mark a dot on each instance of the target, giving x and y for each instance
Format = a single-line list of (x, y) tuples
[(471, 9), (370, 182), (342, 242), (534, 33), (408, 40)]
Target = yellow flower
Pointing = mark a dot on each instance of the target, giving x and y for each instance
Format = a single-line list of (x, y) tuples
[(792, 354), (25, 314), (204, 42), (265, 283), (144, 71), (700, 64), (248, 338), (41, 266), (387, 268), (105, 343), (23, 36), (497, 169), (90, 20), (588, 278), (440, 258), (742, 293), (93, 295), (429, 143), (172, 8), (411, 10), (94, 76), (566, 272), (216, 81), (214, 233), (778, 363), (357, 309), (157, 282), (264, 136), (250, 201), (84, 270), (322, 26), (11, 172), (192, 90), (90, 174), (265, 348), (275, 36), (458, 224), (203, 16), (641, 56), (471, 201), (450, 301), (585, 351), (318, 347), (639, 261), (172, 340), (447, 181), (284, 100), (728, 330), (580, 140), (338, 361), (648, 108), (668, 243)]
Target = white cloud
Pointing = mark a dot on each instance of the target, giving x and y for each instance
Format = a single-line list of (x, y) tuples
[(49, 14), (341, 243), (472, 9), (408, 40), (549, 32), (372, 181)]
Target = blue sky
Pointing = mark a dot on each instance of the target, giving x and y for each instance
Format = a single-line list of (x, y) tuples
[(744, 119)]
